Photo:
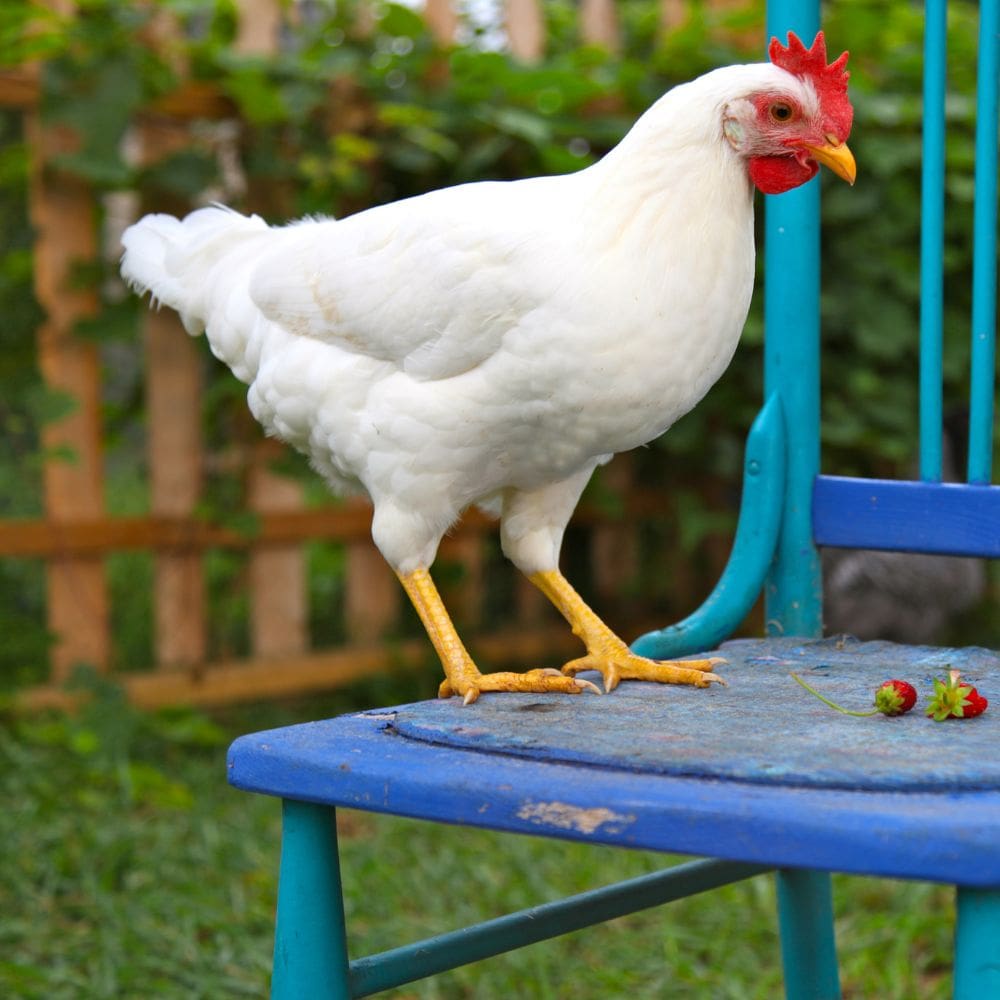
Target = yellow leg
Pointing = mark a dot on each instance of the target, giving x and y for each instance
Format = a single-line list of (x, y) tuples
[(462, 677), (607, 653)]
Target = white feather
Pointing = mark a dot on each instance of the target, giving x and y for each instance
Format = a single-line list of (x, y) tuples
[(490, 342)]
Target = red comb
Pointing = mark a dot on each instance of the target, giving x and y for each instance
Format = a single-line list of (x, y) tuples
[(830, 80), (797, 59)]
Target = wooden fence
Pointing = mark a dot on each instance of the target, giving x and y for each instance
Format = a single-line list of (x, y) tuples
[(76, 535)]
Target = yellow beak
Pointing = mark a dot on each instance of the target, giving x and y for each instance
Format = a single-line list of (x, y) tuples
[(837, 157)]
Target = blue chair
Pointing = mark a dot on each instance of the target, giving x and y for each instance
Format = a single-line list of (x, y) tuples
[(756, 787)]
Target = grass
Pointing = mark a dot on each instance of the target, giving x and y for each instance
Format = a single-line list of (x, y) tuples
[(130, 869)]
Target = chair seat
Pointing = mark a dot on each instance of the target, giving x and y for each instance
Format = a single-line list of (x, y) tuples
[(757, 771)]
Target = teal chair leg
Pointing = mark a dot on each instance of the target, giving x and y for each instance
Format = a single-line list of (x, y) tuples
[(977, 945), (808, 950), (310, 943)]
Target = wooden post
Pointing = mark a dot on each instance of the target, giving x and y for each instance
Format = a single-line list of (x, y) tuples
[(258, 28), (441, 20), (279, 608), (173, 445), (62, 210), (173, 401), (279, 598), (373, 596), (673, 14), (525, 29), (464, 598), (599, 24)]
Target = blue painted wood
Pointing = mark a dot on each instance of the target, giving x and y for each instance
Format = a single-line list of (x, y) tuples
[(367, 761), (808, 950), (539, 923), (761, 728), (791, 366), (984, 250), (932, 240), (903, 516), (753, 548), (791, 369), (310, 945), (977, 945), (793, 593)]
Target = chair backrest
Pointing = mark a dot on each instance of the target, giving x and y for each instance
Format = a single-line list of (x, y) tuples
[(926, 515), (789, 507)]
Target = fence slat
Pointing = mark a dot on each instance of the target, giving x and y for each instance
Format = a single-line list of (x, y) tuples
[(229, 682), (441, 20), (599, 24), (464, 597), (278, 595), (525, 29), (258, 27), (174, 446), (673, 13), (372, 597), (62, 210), (173, 441), (349, 522)]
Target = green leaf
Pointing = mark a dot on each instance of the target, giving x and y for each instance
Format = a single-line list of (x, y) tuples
[(186, 173), (254, 92), (521, 124), (46, 404)]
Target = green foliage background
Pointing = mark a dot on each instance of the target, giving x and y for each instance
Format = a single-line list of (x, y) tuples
[(432, 117)]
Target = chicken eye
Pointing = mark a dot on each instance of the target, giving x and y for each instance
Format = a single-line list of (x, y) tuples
[(780, 112)]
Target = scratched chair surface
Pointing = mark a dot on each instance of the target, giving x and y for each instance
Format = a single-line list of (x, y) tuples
[(762, 727)]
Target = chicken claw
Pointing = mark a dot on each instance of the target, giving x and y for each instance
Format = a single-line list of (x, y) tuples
[(538, 681), (607, 653), (626, 666)]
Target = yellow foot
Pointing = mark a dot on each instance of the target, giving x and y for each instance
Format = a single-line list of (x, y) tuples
[(471, 683), (623, 665), (609, 654)]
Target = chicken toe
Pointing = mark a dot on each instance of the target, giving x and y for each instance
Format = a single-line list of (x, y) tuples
[(607, 653), (622, 665), (534, 681)]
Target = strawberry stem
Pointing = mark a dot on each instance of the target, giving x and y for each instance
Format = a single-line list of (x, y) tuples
[(832, 704)]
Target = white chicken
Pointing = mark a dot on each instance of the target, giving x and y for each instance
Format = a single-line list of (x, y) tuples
[(493, 343)]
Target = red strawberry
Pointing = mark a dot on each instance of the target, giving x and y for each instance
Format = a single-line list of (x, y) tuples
[(895, 697), (954, 700), (892, 697)]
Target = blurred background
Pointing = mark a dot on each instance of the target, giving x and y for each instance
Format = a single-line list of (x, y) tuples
[(175, 579)]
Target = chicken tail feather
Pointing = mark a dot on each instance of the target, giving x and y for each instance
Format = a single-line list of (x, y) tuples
[(172, 258)]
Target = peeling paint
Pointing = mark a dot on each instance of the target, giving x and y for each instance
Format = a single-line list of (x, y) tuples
[(568, 817)]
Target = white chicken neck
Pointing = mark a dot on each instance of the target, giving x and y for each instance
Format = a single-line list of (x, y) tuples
[(678, 144)]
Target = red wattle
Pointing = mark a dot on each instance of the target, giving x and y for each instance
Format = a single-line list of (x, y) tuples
[(776, 174)]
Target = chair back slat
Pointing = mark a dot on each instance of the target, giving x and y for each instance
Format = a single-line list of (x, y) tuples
[(932, 516), (951, 519), (984, 271), (932, 240)]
